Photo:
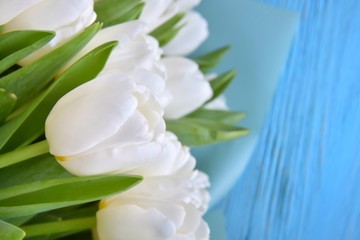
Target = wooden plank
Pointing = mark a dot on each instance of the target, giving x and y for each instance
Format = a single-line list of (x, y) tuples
[(302, 182)]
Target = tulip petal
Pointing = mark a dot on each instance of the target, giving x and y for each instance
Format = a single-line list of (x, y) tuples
[(96, 109), (155, 158), (170, 188), (152, 159), (189, 37), (11, 9), (218, 103), (132, 222), (187, 86), (66, 18), (142, 52), (200, 197), (156, 12), (125, 159), (135, 130), (49, 15), (155, 82), (172, 210), (203, 231), (182, 237), (123, 33), (168, 160), (191, 221)]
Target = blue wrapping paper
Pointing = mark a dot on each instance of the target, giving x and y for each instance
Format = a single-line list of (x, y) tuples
[(261, 37)]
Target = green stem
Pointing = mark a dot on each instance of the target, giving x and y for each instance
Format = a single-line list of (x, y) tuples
[(24, 153), (73, 225)]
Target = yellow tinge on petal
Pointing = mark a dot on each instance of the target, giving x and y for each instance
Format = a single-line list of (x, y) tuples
[(61, 158), (102, 204)]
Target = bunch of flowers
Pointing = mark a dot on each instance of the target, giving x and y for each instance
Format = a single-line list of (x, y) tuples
[(98, 105)]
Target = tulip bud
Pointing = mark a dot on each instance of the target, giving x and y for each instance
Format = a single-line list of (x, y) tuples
[(190, 37), (108, 112), (163, 207), (134, 53), (135, 50), (156, 12), (186, 86), (66, 18)]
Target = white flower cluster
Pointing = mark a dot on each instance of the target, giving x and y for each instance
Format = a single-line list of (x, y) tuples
[(115, 123), (66, 18), (166, 206)]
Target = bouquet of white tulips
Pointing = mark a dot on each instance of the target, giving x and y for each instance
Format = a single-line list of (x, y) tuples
[(98, 107)]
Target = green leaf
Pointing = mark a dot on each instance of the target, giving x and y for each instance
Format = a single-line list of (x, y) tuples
[(83, 235), (132, 14), (29, 125), (47, 195), (31, 79), (220, 83), (60, 216), (13, 42), (196, 132), (10, 232), (23, 153), (220, 116), (31, 171), (13, 68), (61, 226), (14, 46), (7, 103), (72, 212), (168, 30), (212, 59), (112, 12), (20, 220), (31, 188)]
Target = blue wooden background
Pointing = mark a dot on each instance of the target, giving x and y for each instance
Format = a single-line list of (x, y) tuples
[(302, 181)]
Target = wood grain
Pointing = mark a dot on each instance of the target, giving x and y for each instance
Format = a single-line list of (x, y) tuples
[(303, 179)]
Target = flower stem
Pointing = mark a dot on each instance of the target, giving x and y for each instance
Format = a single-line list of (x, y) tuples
[(24, 153), (73, 225)]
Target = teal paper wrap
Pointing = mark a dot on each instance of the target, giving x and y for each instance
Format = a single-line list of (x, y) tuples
[(260, 37)]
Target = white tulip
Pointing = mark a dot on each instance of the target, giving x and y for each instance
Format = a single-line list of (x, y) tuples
[(218, 103), (160, 156), (156, 12), (11, 9), (175, 181), (151, 220), (135, 48), (191, 35), (135, 51), (109, 111), (66, 18), (186, 85), (165, 207)]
